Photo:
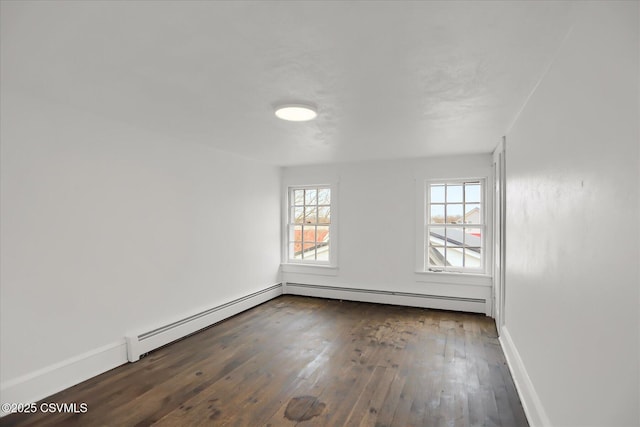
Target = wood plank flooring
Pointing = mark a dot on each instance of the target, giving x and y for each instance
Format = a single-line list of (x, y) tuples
[(298, 361)]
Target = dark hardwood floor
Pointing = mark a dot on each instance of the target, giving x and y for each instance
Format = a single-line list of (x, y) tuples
[(309, 362)]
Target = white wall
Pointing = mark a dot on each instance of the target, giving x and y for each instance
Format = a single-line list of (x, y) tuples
[(377, 230), (572, 225), (107, 229)]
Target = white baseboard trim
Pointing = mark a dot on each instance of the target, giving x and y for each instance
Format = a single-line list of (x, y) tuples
[(536, 415), (441, 302), (52, 379)]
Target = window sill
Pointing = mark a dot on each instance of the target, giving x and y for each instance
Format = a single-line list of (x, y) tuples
[(455, 278), (320, 270)]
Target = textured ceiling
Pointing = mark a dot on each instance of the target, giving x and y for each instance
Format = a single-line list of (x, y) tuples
[(390, 79)]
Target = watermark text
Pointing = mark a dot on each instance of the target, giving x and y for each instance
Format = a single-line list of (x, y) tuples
[(45, 407)]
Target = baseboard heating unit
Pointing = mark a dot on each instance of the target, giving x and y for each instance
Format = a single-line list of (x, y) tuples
[(139, 344), (446, 302)]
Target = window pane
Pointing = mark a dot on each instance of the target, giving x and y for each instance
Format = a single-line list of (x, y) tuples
[(437, 214), (455, 236), (322, 234), (472, 258), (436, 256), (298, 215), (322, 243), (472, 214), (324, 215), (454, 256), (454, 193), (437, 193), (454, 213), (472, 192), (298, 197), (472, 237), (310, 215), (295, 233), (436, 236), (324, 196), (295, 250), (322, 253), (310, 197), (309, 235)]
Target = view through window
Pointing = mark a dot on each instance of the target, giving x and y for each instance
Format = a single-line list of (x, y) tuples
[(455, 226), (309, 224)]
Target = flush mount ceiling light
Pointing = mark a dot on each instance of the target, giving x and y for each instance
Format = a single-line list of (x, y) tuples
[(296, 112)]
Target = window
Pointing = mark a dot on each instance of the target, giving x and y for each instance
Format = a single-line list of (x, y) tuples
[(309, 225), (455, 226)]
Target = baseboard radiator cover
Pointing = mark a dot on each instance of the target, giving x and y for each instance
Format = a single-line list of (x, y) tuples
[(476, 305), (141, 343)]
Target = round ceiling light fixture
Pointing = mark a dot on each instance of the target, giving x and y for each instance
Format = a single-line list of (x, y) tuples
[(296, 112)]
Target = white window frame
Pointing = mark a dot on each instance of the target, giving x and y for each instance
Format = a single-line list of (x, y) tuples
[(289, 224), (423, 254)]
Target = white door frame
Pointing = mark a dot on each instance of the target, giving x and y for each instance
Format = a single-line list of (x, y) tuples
[(499, 226)]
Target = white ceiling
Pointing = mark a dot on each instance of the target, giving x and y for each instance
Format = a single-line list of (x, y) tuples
[(390, 79)]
